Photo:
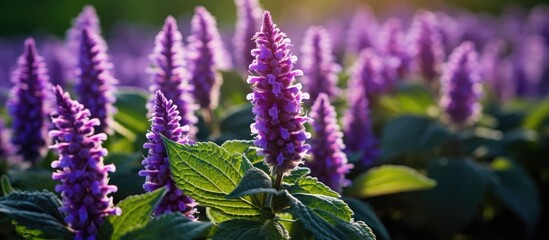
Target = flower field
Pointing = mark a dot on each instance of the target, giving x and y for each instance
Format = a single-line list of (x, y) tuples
[(411, 124)]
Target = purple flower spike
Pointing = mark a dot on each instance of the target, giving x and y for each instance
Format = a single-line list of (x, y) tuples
[(27, 105), (170, 76), (165, 121), (329, 163), (460, 85), (426, 47), (80, 169), (249, 19), (95, 81), (206, 55), (87, 18), (358, 134), (361, 30), (366, 74), (391, 45), (277, 100), (496, 71), (319, 67), (5, 148)]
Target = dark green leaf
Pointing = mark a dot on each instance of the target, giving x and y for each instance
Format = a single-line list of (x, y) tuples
[(411, 134), (136, 213), (171, 227), (131, 109), (538, 116), (207, 173), (36, 212), (363, 212), (254, 181), (237, 121), (388, 179), (32, 179), (6, 185), (241, 229), (326, 207)]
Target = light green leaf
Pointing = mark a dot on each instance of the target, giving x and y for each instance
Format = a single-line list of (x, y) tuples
[(136, 212), (311, 185), (245, 147), (6, 185), (363, 212), (326, 207), (241, 229), (207, 173), (254, 181), (388, 179), (171, 226), (131, 109), (36, 213), (296, 174), (538, 116)]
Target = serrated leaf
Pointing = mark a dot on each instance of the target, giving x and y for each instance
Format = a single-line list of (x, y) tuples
[(136, 212), (245, 147), (254, 181), (363, 212), (389, 179), (171, 226), (207, 173), (38, 212), (320, 228), (241, 229), (6, 185), (325, 206), (311, 185), (297, 174)]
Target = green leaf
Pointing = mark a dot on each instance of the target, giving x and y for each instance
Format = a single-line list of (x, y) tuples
[(538, 116), (36, 212), (254, 181), (136, 212), (461, 186), (320, 228), (241, 229), (363, 212), (296, 174), (6, 185), (32, 179), (326, 207), (411, 134), (207, 173), (311, 185), (245, 147), (516, 189), (409, 99), (388, 179), (171, 226), (237, 122), (131, 109)]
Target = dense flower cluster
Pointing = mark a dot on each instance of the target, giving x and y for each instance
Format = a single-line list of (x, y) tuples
[(361, 30), (27, 105), (391, 44), (320, 70), (426, 47), (366, 74), (83, 176), (206, 54), (249, 20), (170, 76), (95, 85), (460, 85), (165, 122), (277, 100), (329, 162)]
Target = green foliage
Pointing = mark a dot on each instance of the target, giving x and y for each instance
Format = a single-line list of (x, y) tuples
[(408, 100), (171, 226), (388, 179), (5, 185), (311, 185), (36, 214), (241, 229), (254, 181), (136, 213), (364, 212), (539, 116), (235, 124), (32, 179), (411, 134)]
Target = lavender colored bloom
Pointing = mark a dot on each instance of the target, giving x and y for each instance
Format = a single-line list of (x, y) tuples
[(320, 70), (361, 30), (425, 43), (329, 163), (496, 71), (83, 176), (95, 81), (249, 18), (366, 75), (57, 58), (206, 55), (460, 85), (87, 18), (28, 104), (170, 76), (529, 60), (391, 45), (277, 100), (358, 135), (165, 121)]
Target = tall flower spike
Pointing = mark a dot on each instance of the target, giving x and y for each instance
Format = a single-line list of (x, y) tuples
[(87, 18), (206, 55), (361, 29), (165, 121), (276, 100), (358, 134), (170, 76), (460, 85), (319, 68), (329, 163), (391, 44), (366, 74), (425, 45), (80, 169), (249, 19), (95, 81), (28, 103)]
